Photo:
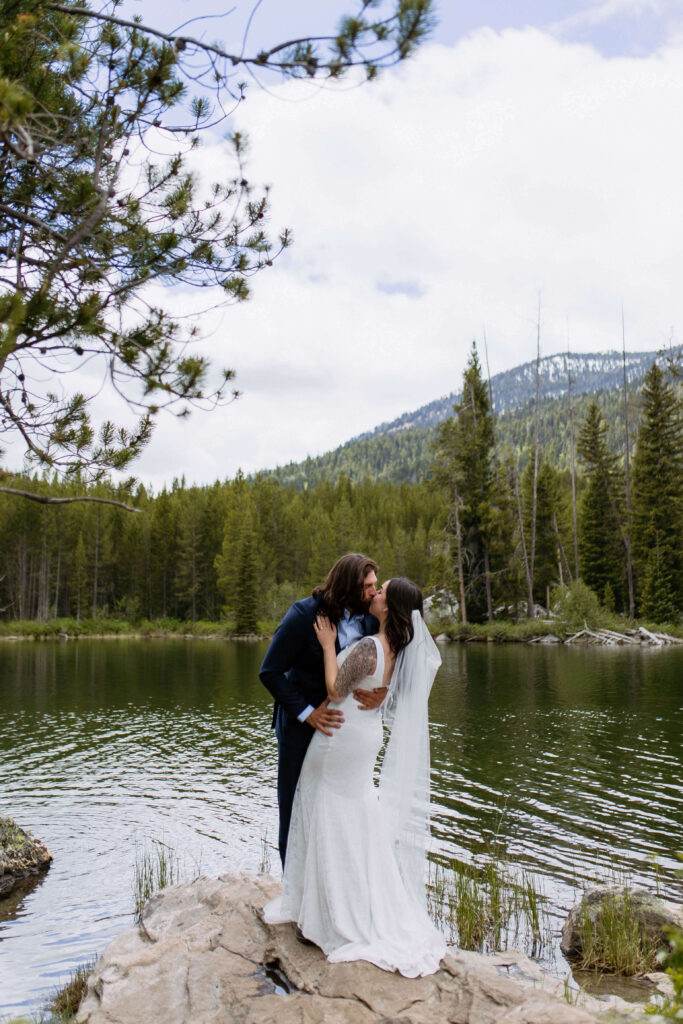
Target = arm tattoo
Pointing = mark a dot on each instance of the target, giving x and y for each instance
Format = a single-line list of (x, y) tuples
[(361, 662)]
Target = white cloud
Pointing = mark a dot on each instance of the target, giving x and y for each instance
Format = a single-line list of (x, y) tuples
[(599, 11), (437, 200)]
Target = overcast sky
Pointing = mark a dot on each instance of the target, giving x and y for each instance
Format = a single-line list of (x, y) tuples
[(528, 147)]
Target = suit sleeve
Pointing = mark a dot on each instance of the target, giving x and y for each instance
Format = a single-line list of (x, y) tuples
[(288, 641)]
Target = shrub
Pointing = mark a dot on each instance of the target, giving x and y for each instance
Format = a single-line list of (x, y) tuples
[(576, 605)]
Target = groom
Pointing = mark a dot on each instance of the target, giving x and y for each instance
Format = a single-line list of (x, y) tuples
[(293, 669)]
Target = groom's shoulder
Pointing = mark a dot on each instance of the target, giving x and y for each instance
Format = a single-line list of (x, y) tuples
[(305, 608)]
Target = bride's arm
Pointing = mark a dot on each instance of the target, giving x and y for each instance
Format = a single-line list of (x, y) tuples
[(361, 661)]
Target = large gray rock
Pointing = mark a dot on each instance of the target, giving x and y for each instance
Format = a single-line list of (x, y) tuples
[(654, 916), (203, 955), (21, 855)]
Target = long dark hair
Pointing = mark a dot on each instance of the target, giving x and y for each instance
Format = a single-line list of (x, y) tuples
[(343, 587), (403, 597)]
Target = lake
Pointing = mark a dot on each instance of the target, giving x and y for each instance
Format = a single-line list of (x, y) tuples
[(570, 756)]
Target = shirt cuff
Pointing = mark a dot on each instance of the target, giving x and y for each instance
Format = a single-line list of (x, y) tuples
[(305, 713)]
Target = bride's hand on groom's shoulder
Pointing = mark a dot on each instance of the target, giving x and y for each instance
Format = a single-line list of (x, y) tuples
[(325, 631)]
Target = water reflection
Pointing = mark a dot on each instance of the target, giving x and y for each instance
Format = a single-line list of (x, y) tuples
[(573, 757)]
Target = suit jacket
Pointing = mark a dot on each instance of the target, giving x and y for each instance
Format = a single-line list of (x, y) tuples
[(293, 669)]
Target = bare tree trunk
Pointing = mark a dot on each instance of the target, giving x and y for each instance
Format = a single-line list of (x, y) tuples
[(487, 572), (573, 469), (629, 560), (493, 414), (461, 578), (527, 573), (43, 608), (58, 574), (560, 549), (96, 565), (534, 495)]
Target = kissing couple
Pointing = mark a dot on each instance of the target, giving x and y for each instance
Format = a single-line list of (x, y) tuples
[(344, 664)]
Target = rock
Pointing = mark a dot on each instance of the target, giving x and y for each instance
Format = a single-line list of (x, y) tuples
[(21, 855), (442, 638), (549, 638), (203, 955), (653, 915), (442, 604)]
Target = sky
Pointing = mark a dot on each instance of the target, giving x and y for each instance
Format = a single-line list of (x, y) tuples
[(529, 150)]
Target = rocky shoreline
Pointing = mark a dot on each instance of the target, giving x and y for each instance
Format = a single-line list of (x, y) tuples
[(204, 955), (22, 856)]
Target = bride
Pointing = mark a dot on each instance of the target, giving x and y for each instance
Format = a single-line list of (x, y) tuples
[(354, 878)]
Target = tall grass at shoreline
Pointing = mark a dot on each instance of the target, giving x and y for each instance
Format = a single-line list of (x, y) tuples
[(488, 905), (614, 942), (498, 631), (155, 869)]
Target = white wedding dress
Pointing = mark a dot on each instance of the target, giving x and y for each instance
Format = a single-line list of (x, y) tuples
[(342, 885)]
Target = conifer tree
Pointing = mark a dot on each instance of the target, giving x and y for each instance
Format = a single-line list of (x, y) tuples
[(658, 488), (463, 466), (657, 596), (600, 546), (246, 594)]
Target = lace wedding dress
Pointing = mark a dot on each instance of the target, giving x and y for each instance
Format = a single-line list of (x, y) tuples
[(342, 884)]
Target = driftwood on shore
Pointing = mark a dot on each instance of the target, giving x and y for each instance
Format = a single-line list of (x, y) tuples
[(609, 637)]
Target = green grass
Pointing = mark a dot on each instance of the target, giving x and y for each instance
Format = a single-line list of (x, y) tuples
[(66, 1001), (109, 627), (499, 631), (613, 943), (155, 869), (487, 905)]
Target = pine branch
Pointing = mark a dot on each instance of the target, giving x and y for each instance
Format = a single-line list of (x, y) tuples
[(44, 499)]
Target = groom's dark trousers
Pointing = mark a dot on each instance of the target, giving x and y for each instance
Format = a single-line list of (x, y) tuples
[(293, 671)]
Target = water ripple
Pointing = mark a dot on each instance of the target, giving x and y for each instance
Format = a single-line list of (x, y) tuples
[(572, 760)]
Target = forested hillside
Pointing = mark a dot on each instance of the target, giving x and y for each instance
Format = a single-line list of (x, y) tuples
[(407, 455), (505, 515)]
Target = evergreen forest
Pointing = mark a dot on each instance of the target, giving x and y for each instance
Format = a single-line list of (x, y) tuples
[(507, 510)]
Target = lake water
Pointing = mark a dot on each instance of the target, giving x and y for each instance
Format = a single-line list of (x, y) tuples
[(571, 756)]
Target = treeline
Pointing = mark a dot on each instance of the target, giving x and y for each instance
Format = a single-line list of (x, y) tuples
[(500, 522), (516, 526), (241, 549)]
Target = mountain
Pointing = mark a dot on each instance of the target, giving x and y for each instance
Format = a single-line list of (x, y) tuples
[(511, 389), (401, 451)]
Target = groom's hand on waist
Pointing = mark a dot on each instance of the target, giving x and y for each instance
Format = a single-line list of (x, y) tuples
[(370, 699), (325, 718)]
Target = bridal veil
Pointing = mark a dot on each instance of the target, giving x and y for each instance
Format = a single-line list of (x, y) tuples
[(404, 779)]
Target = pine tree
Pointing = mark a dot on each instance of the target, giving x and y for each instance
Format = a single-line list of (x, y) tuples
[(657, 599), (247, 585), (658, 486), (463, 467), (601, 546)]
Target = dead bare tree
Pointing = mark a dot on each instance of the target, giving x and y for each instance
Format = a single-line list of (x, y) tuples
[(627, 531), (534, 492), (572, 450)]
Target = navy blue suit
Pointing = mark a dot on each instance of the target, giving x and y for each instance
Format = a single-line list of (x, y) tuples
[(294, 673)]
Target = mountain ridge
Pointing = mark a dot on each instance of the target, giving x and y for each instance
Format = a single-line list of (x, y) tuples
[(512, 388), (401, 450)]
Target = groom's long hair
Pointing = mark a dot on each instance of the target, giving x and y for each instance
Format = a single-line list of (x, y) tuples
[(343, 587)]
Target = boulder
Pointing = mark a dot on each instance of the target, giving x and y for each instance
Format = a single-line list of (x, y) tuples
[(653, 915), (202, 954), (21, 855)]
